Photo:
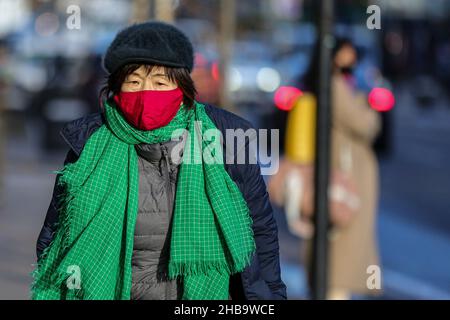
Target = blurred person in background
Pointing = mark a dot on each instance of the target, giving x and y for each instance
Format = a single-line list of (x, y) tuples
[(129, 219), (353, 176), (353, 247)]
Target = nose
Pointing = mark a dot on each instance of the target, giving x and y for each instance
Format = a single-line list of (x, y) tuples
[(148, 84)]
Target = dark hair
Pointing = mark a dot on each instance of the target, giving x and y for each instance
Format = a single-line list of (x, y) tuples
[(180, 76), (310, 78)]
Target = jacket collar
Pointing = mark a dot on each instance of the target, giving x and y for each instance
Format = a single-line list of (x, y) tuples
[(155, 151)]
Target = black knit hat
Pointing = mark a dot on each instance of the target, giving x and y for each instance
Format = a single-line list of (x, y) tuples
[(150, 42)]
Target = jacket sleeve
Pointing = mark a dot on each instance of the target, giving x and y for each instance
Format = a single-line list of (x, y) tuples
[(51, 218), (264, 225)]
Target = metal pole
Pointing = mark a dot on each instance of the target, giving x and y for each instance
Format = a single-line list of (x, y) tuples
[(322, 161), (226, 38)]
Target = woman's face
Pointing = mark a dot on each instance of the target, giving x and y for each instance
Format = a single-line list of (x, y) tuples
[(345, 57), (141, 79)]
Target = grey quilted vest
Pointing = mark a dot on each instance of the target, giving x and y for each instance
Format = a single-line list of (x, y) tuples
[(157, 182)]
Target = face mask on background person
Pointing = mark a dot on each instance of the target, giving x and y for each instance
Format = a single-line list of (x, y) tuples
[(347, 70)]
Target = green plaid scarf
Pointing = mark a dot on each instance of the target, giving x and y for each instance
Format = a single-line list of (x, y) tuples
[(90, 255)]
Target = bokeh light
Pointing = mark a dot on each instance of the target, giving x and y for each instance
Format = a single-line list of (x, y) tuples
[(200, 60), (381, 99), (47, 24), (286, 97), (215, 71)]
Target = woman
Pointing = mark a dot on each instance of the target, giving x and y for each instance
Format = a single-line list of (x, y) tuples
[(130, 218), (354, 127)]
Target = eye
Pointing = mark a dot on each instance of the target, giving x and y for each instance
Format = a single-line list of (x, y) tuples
[(132, 82), (161, 84)]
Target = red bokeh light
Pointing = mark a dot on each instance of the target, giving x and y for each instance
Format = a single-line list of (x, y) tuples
[(200, 60), (286, 97), (381, 99), (215, 71)]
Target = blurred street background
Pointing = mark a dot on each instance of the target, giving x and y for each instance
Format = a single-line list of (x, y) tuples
[(248, 54)]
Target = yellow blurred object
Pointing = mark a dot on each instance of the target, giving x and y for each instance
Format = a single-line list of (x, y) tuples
[(301, 130)]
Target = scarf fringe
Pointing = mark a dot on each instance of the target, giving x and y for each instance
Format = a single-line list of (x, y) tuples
[(205, 267), (64, 200)]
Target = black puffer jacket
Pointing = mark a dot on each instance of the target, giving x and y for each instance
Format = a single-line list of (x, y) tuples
[(261, 280)]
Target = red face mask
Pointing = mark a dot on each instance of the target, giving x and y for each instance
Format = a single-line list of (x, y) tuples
[(149, 109)]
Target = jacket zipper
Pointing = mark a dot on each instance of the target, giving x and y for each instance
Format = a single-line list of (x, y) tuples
[(167, 178)]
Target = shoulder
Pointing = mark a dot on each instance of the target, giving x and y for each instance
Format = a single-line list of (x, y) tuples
[(240, 155), (224, 119), (76, 132)]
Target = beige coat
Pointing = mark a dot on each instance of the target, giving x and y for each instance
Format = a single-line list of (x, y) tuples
[(354, 127)]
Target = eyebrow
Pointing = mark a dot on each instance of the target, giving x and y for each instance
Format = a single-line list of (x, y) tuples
[(160, 75), (136, 74)]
